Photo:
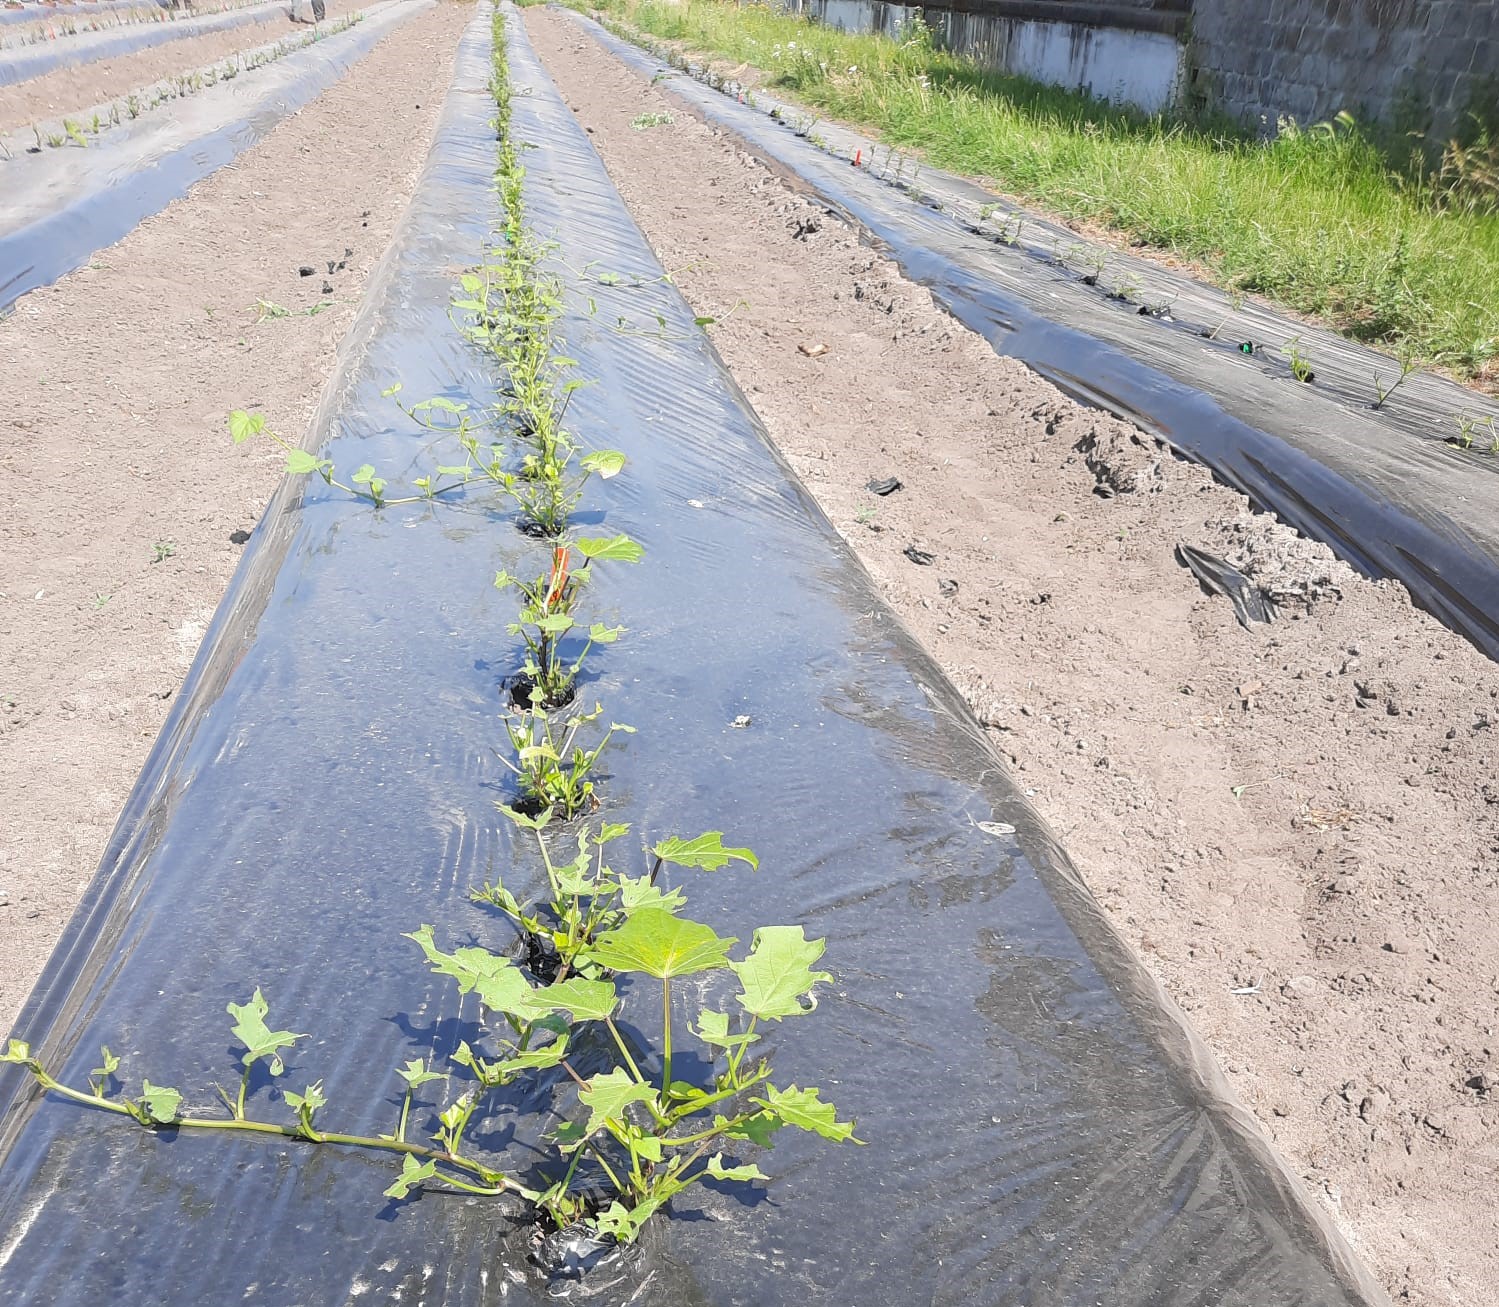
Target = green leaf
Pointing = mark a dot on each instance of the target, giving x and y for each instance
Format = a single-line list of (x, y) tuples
[(611, 830), (364, 475), (637, 892), (416, 1074), (527, 823), (111, 1064), (497, 981), (440, 402), (601, 634), (259, 1040), (713, 1028), (749, 1171), (158, 1103), (17, 1050), (603, 463), (311, 1098), (554, 624), (299, 461), (587, 1000), (413, 1173), (803, 1109), (661, 945), (624, 1223), (243, 425), (607, 1095), (703, 322), (532, 1060), (707, 852), (613, 549), (777, 974), (391, 390), (757, 1128)]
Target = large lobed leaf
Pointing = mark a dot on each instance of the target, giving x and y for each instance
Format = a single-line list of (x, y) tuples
[(777, 975), (706, 852), (661, 945)]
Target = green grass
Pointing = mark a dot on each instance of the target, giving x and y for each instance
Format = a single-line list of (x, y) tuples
[(1316, 219)]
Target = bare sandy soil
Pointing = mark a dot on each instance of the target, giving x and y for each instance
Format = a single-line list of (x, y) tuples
[(1296, 826), (121, 497), (68, 90)]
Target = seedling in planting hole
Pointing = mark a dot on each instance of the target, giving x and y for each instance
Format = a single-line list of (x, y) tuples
[(547, 678), (866, 514), (555, 771), (644, 121), (547, 491), (1010, 233), (1097, 261), (1126, 289), (1467, 431), (163, 550), (266, 309), (75, 133), (1301, 366), (1158, 307), (1410, 364)]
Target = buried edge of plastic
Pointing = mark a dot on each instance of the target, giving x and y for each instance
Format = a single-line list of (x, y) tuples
[(1391, 500), (67, 205), (1041, 1129)]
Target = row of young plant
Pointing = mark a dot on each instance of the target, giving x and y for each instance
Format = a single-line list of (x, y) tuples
[(58, 25), (607, 922), (80, 131), (1005, 226)]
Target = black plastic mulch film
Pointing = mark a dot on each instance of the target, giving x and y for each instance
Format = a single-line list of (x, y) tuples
[(1041, 1129), (25, 62), (60, 207), (1382, 488)]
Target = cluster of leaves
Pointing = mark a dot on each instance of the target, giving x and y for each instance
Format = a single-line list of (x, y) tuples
[(639, 1136)]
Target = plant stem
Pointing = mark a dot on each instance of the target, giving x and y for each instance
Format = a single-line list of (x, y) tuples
[(666, 1034)]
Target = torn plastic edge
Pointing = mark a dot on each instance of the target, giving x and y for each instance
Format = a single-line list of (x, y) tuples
[(47, 249)]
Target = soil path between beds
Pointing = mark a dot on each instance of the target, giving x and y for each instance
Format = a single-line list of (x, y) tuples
[(124, 502), (1296, 826)]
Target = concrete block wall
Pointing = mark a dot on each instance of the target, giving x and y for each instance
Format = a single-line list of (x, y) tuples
[(1407, 64), (1411, 65)]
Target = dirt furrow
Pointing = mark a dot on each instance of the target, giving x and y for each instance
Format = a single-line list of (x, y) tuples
[(124, 504), (1296, 825)]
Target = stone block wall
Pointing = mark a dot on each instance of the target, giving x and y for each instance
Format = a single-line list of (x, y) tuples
[(1412, 65)]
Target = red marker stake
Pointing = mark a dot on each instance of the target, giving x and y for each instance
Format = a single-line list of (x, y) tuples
[(858, 155)]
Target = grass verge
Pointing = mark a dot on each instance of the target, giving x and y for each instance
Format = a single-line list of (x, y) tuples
[(1317, 219)]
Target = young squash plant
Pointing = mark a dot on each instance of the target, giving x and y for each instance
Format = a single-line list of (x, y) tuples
[(636, 1135), (548, 678)]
